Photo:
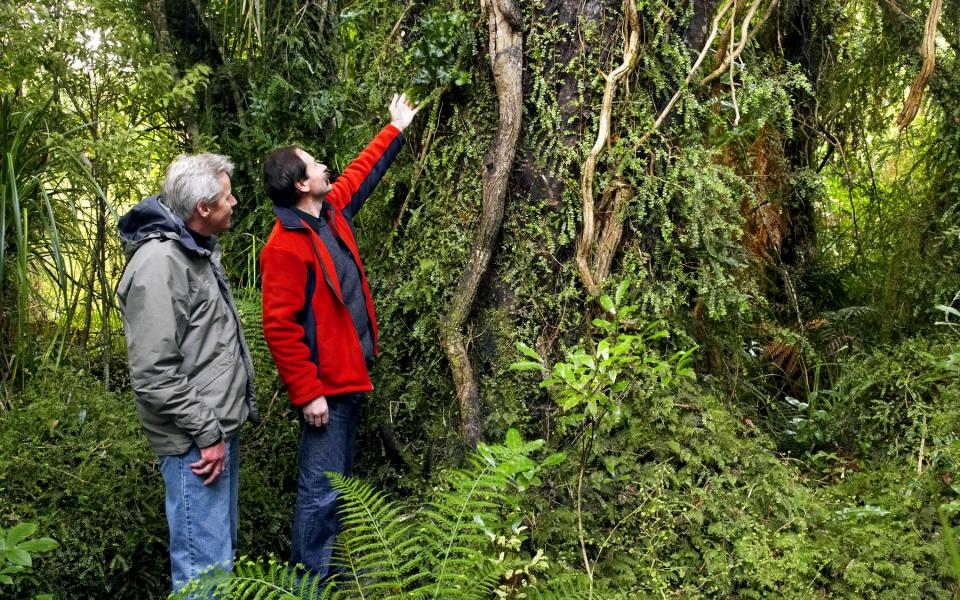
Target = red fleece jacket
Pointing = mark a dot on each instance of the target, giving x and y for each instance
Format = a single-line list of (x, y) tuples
[(306, 324)]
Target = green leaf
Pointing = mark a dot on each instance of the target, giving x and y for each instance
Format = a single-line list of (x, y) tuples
[(621, 290), (39, 545), (528, 351), (607, 303), (20, 532), (611, 462), (525, 365), (6, 579), (603, 349), (554, 459), (19, 557), (948, 309), (514, 441)]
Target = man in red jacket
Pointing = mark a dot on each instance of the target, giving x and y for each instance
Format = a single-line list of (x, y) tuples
[(318, 316)]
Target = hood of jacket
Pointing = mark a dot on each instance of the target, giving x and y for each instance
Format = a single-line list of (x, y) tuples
[(152, 219)]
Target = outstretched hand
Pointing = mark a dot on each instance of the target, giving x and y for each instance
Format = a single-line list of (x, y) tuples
[(402, 111)]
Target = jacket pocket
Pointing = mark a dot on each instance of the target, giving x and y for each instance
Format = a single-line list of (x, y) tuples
[(214, 370)]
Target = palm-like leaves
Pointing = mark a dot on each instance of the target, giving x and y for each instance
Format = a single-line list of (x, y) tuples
[(38, 221)]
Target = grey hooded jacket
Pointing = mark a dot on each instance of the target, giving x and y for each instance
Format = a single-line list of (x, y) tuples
[(190, 368)]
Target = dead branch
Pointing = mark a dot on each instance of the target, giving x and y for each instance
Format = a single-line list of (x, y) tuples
[(588, 234), (506, 58), (928, 50), (612, 201)]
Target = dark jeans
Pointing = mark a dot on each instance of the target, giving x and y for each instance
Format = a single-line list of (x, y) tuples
[(322, 449)]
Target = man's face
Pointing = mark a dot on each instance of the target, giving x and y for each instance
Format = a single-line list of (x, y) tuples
[(317, 182), (221, 211)]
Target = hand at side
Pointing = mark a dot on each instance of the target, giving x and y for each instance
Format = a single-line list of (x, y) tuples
[(213, 460), (315, 412)]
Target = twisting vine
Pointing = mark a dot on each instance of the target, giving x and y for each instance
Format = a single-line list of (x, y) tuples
[(506, 57), (928, 50), (585, 246)]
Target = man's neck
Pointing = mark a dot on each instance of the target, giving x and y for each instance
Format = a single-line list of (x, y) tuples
[(198, 226), (310, 205)]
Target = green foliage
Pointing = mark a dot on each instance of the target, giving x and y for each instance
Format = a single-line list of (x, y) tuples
[(593, 385), (464, 541), (435, 60), (254, 580), (18, 551), (820, 480), (76, 464)]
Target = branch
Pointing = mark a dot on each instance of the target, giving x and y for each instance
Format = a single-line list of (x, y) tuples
[(745, 36), (714, 28)]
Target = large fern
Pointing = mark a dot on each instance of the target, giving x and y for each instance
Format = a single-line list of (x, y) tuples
[(464, 542), (462, 524)]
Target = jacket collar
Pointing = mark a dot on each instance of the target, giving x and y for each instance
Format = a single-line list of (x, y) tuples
[(291, 220), (288, 217), (152, 219)]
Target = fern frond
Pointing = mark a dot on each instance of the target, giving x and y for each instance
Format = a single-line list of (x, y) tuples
[(380, 551), (249, 580)]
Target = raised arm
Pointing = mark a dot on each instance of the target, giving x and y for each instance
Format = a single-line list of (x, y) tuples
[(362, 175)]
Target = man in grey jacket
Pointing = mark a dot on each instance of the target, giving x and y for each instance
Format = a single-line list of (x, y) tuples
[(190, 368)]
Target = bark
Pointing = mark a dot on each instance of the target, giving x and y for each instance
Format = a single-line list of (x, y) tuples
[(506, 57), (802, 38), (696, 32)]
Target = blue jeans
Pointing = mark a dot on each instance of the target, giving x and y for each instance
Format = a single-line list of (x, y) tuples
[(202, 519), (322, 449)]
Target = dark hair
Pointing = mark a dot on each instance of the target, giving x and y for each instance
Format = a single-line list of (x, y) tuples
[(282, 169)]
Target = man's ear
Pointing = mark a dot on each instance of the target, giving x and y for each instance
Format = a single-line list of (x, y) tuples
[(301, 186), (202, 210)]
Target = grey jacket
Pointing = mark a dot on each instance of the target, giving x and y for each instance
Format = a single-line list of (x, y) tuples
[(190, 368)]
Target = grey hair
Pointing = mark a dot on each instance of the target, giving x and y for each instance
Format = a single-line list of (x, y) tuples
[(193, 179)]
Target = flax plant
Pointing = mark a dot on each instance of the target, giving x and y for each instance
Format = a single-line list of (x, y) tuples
[(38, 219)]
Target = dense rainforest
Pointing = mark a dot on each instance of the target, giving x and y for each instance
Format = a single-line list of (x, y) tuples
[(668, 290)]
